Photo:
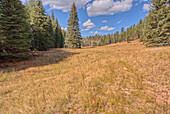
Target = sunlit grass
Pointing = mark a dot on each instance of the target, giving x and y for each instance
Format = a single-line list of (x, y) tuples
[(119, 78)]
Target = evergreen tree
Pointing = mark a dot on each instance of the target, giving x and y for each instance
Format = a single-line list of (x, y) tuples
[(52, 16), (139, 29), (57, 34), (164, 23), (121, 36), (117, 36), (41, 34), (32, 11), (51, 32), (157, 24), (64, 36), (14, 35), (128, 35), (133, 32), (73, 39)]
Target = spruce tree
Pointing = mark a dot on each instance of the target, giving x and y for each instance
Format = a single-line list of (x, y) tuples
[(73, 39), (139, 29), (32, 11), (57, 34), (157, 24), (128, 35), (50, 30), (121, 36), (52, 16), (14, 35), (133, 32), (164, 23), (41, 34)]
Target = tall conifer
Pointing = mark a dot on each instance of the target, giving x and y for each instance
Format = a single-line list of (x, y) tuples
[(14, 35), (73, 39), (40, 28), (157, 30)]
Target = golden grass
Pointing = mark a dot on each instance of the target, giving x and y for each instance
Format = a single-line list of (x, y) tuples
[(113, 79)]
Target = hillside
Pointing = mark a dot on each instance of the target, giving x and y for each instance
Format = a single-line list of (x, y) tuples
[(118, 78)]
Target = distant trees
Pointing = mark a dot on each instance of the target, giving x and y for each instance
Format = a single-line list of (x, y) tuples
[(153, 31), (73, 38), (14, 30)]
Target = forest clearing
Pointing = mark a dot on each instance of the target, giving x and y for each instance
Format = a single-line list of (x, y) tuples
[(117, 78), (84, 56)]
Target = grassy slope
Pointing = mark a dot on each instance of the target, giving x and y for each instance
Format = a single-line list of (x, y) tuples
[(117, 78)]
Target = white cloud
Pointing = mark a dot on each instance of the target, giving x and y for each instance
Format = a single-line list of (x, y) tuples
[(64, 29), (88, 24), (104, 21), (94, 32), (108, 7), (85, 29), (64, 5), (140, 1), (146, 7), (107, 28)]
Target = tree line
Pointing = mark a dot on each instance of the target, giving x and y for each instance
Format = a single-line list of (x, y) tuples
[(26, 28), (153, 31)]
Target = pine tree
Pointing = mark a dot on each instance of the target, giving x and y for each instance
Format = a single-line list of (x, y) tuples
[(57, 34), (73, 39), (139, 29), (164, 23), (157, 24), (14, 37), (52, 16), (41, 34), (128, 35), (121, 36), (133, 32), (32, 11), (64, 36), (50, 30)]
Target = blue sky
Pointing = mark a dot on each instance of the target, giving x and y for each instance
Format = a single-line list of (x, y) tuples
[(99, 16)]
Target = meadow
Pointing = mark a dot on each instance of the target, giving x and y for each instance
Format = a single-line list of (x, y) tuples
[(114, 79)]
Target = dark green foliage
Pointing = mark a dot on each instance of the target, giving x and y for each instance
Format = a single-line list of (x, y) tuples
[(73, 38), (139, 29), (58, 33), (52, 16), (46, 32), (128, 34), (14, 30), (51, 32), (40, 28), (157, 28), (134, 32), (59, 39), (121, 36)]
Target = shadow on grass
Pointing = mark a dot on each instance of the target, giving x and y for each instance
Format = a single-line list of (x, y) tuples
[(40, 58)]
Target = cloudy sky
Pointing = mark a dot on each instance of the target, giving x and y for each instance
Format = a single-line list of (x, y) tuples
[(99, 16)]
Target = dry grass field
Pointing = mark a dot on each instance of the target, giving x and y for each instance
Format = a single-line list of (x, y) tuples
[(114, 79)]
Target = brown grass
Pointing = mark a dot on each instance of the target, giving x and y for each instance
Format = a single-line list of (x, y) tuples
[(119, 78)]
